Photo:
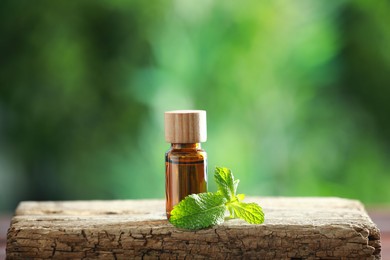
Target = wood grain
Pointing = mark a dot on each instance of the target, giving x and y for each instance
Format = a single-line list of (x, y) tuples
[(294, 228), (185, 126)]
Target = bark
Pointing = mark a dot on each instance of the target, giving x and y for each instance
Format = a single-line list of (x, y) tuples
[(294, 228)]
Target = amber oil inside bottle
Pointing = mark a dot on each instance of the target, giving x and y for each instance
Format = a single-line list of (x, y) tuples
[(186, 172)]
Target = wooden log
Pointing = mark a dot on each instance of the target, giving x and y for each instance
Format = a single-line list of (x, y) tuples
[(294, 228)]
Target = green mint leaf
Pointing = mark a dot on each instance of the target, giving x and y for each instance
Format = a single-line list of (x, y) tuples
[(250, 212), (198, 211), (225, 182)]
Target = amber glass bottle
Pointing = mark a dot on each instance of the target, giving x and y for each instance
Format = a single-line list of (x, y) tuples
[(185, 161)]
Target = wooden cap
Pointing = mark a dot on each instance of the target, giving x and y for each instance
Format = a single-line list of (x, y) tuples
[(185, 126)]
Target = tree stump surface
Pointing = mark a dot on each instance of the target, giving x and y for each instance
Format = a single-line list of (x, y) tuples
[(294, 228)]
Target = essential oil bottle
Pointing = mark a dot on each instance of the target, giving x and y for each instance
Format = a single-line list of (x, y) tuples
[(185, 161)]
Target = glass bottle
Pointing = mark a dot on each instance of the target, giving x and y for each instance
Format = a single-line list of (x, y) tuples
[(185, 161)]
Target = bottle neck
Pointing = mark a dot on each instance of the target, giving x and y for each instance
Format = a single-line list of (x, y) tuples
[(186, 146)]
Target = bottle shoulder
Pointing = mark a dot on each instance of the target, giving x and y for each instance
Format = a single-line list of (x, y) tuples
[(178, 154)]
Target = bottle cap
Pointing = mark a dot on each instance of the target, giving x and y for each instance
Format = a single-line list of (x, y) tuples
[(185, 126)]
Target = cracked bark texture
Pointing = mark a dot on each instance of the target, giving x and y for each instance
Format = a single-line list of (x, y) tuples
[(294, 228)]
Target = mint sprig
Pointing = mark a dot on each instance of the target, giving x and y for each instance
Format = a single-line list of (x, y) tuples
[(207, 209)]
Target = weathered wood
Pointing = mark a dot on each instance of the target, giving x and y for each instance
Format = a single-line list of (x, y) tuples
[(295, 228)]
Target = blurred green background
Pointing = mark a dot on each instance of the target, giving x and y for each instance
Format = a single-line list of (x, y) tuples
[(297, 95)]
